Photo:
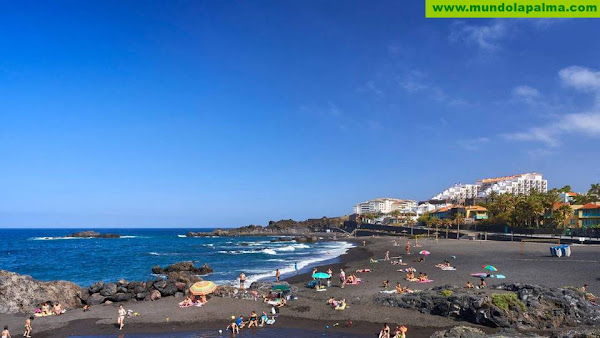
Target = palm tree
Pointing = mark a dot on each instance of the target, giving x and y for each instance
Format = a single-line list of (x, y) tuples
[(396, 214), (458, 219), (562, 214)]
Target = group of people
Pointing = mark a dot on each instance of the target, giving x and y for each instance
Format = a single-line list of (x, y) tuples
[(193, 301), (337, 304), (399, 332), (254, 320), (48, 308)]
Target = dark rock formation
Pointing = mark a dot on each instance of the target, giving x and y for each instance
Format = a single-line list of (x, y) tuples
[(278, 228), (510, 306), (21, 293), (93, 234), (472, 332), (183, 267)]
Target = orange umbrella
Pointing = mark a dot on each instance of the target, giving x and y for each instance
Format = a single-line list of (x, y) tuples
[(202, 288)]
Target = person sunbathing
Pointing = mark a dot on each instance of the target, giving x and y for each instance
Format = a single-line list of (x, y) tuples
[(374, 260), (330, 301), (186, 302), (46, 309), (410, 276), (364, 270), (340, 305), (482, 284), (422, 277), (469, 285), (281, 302), (57, 309), (385, 284), (399, 288), (202, 300)]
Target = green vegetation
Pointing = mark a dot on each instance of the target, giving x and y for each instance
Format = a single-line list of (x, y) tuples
[(507, 301), (446, 293), (535, 210)]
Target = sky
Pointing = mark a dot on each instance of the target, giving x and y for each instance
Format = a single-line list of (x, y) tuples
[(228, 113)]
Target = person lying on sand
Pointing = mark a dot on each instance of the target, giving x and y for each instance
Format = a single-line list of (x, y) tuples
[(186, 302), (422, 277), (364, 270), (410, 275), (351, 279), (385, 284), (374, 260)]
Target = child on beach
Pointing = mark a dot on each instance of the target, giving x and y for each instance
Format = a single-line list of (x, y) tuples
[(233, 326), (28, 327), (277, 275)]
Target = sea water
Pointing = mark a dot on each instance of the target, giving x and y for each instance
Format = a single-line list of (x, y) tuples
[(50, 254)]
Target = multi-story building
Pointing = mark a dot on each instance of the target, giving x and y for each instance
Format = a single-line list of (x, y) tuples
[(586, 215), (515, 184), (385, 206), (458, 192), (471, 213)]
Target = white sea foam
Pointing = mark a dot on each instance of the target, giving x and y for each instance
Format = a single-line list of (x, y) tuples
[(340, 249), (181, 236), (286, 248), (68, 237), (241, 252)]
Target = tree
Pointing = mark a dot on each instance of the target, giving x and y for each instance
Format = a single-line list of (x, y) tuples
[(459, 219), (561, 215), (566, 188), (396, 214)]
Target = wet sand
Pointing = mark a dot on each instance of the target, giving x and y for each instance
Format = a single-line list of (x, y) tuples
[(362, 316)]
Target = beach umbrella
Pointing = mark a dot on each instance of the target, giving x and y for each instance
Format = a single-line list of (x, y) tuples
[(202, 288), (490, 267), (321, 275), (500, 276), (424, 252), (281, 287)]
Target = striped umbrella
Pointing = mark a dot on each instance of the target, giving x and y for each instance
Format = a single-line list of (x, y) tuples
[(490, 267), (202, 288)]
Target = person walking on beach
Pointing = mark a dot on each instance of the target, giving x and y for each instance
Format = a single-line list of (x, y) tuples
[(342, 278), (313, 273), (296, 267), (28, 327), (121, 318), (330, 273), (242, 281), (387, 255), (407, 248), (5, 332), (277, 275)]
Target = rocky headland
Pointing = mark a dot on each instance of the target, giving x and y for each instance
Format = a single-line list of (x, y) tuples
[(280, 228)]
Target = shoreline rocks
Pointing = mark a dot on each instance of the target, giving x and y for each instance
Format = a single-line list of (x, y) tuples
[(23, 294), (287, 227), (520, 306)]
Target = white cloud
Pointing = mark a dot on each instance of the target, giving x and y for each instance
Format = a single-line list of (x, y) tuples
[(587, 123), (526, 92), (473, 144), (486, 37), (414, 81), (581, 78)]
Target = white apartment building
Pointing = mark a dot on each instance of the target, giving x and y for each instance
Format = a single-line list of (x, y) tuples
[(458, 192), (384, 206), (515, 184)]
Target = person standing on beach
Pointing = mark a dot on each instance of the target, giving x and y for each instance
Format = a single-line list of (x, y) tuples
[(313, 273), (407, 248), (296, 267), (385, 331), (277, 275), (342, 278), (387, 255), (28, 327), (330, 273), (121, 318), (242, 281)]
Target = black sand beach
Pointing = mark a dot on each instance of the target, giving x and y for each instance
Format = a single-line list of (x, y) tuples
[(362, 316)]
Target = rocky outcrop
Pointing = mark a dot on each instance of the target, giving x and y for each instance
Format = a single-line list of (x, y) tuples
[(23, 294), (472, 332), (179, 277), (93, 234), (519, 306), (279, 228)]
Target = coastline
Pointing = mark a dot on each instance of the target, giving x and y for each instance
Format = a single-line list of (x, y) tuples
[(310, 311)]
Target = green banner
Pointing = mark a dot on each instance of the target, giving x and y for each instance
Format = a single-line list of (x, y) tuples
[(512, 8)]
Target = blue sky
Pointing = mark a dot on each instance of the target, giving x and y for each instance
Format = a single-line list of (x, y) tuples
[(218, 113)]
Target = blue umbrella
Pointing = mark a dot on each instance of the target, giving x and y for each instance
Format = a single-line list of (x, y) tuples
[(321, 275)]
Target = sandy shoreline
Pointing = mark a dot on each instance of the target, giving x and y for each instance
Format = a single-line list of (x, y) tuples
[(310, 310)]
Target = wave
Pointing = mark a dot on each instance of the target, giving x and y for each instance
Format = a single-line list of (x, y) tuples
[(286, 248), (339, 250), (181, 236), (69, 237), (242, 252)]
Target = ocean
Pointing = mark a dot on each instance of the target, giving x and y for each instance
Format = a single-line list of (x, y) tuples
[(49, 254)]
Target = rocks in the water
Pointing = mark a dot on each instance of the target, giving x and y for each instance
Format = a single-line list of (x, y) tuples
[(183, 267), (93, 234), (21, 293), (473, 332), (514, 306)]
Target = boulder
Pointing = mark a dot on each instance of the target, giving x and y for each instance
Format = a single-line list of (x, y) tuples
[(141, 295), (159, 285), (95, 299), (186, 266), (120, 297), (169, 290), (139, 289), (109, 289), (179, 294), (96, 287), (22, 294)]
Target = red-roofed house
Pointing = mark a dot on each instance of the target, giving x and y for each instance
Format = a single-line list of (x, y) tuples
[(587, 215)]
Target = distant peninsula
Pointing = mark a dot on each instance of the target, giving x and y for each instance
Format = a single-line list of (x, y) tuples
[(93, 234)]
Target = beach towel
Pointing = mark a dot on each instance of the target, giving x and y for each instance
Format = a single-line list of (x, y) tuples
[(42, 315), (184, 306), (388, 291), (425, 281), (341, 307), (411, 279), (448, 268)]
